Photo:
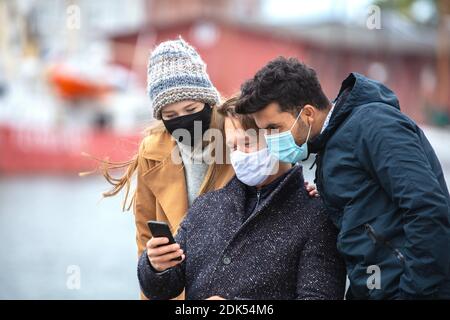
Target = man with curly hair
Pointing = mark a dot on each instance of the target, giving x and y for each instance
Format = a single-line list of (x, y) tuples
[(376, 172)]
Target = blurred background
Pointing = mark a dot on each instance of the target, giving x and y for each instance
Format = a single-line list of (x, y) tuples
[(73, 80)]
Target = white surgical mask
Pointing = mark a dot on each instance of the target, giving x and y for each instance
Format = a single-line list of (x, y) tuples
[(253, 168)]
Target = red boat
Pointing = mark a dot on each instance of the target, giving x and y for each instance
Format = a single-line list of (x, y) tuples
[(61, 150)]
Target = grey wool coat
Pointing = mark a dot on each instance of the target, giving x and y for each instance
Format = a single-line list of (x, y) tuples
[(286, 249)]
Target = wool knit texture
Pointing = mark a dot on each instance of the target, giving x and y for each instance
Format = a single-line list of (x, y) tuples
[(175, 73)]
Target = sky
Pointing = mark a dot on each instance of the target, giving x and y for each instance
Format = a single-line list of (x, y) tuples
[(349, 10), (314, 10)]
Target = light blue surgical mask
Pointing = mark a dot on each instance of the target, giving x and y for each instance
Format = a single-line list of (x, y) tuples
[(282, 145)]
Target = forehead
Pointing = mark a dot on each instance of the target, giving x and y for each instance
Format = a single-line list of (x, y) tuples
[(234, 131), (266, 116), (231, 126)]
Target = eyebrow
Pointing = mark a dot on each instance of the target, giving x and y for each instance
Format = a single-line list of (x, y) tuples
[(271, 125)]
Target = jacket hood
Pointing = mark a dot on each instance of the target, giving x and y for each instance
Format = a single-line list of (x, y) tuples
[(356, 91)]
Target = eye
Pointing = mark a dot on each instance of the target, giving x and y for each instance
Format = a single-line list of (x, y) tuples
[(168, 116), (248, 142), (191, 110)]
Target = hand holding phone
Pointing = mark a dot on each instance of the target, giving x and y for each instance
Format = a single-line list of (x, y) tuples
[(162, 250)]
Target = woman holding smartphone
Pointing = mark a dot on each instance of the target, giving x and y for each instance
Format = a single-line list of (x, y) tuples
[(171, 172)]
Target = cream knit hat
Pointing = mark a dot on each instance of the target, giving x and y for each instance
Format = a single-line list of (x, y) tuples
[(175, 73)]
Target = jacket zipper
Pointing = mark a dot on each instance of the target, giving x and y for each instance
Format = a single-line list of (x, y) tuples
[(258, 196), (375, 238)]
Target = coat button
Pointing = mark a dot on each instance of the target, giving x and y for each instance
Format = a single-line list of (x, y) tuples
[(226, 260)]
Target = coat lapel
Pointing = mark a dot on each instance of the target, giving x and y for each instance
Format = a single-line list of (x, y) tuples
[(167, 179)]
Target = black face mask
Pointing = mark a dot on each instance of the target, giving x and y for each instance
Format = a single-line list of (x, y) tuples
[(187, 122)]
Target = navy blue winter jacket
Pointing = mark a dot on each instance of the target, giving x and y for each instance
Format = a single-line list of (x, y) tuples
[(384, 189)]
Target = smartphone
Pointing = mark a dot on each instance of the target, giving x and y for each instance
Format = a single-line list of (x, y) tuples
[(161, 230)]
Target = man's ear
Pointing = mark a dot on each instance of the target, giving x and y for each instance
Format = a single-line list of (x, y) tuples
[(308, 114)]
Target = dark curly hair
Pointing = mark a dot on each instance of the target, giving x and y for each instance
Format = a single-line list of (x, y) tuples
[(286, 81)]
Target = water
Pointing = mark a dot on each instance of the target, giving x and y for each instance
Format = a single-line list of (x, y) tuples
[(50, 223)]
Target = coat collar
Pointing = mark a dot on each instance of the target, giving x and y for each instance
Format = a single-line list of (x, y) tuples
[(158, 146), (356, 91), (292, 182)]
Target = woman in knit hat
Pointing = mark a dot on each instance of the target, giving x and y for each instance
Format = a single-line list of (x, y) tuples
[(182, 95)]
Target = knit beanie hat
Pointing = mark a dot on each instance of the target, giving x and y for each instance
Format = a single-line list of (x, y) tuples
[(175, 73)]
